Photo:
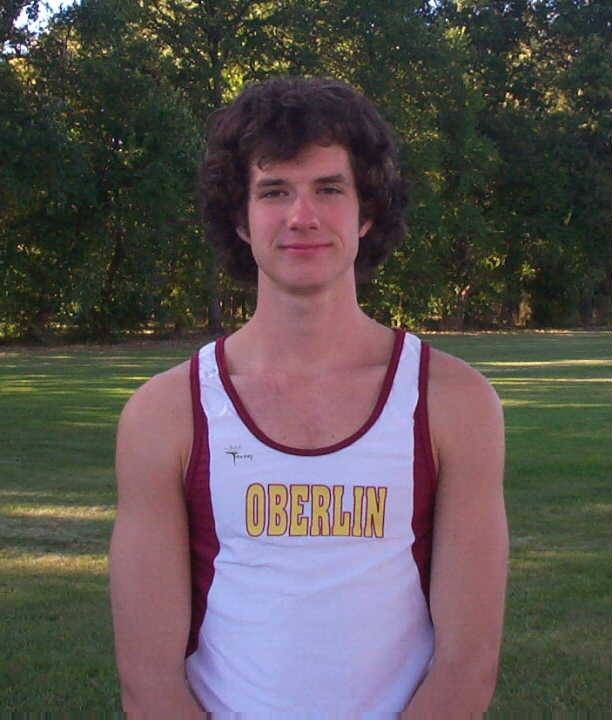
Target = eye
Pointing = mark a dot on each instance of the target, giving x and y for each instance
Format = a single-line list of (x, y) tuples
[(330, 190), (273, 193)]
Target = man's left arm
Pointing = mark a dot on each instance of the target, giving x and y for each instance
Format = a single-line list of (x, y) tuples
[(470, 547)]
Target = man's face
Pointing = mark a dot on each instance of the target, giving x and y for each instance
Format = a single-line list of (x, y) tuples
[(303, 219)]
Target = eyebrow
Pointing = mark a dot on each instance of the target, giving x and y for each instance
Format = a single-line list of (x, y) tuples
[(269, 182), (339, 178)]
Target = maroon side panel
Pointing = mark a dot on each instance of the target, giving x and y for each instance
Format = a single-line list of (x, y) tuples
[(425, 480), (203, 541)]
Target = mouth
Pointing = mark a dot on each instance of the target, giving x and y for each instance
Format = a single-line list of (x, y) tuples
[(305, 247)]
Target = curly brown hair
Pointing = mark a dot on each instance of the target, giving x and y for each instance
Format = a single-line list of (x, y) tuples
[(273, 121)]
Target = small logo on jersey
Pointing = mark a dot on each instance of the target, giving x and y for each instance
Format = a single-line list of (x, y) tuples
[(237, 455)]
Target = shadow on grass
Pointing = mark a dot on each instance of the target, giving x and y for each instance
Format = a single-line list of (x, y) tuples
[(45, 533), (57, 647), (555, 598), (56, 521)]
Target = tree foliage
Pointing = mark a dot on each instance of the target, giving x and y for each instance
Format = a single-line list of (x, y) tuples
[(499, 109)]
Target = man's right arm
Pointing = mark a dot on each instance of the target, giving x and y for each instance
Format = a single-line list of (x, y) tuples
[(150, 575)]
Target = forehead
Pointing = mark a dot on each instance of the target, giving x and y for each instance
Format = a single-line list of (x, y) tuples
[(311, 163)]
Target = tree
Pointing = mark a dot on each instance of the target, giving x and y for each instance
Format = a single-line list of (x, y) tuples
[(541, 68), (499, 109), (118, 213)]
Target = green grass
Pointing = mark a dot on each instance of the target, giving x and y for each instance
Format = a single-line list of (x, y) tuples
[(58, 411)]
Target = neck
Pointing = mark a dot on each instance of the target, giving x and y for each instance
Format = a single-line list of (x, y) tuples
[(308, 332)]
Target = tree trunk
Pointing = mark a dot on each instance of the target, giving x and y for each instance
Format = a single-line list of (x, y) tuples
[(102, 317)]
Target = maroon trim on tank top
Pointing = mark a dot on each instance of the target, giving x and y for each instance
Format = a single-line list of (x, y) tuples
[(425, 480), (203, 541), (246, 418)]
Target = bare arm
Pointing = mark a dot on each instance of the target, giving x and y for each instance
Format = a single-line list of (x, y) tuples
[(469, 563), (150, 576)]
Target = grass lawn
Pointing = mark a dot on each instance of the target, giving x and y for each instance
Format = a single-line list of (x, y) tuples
[(58, 411)]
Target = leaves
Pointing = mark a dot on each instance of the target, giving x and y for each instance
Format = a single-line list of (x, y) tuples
[(499, 110)]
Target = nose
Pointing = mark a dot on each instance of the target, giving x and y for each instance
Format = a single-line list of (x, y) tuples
[(303, 215)]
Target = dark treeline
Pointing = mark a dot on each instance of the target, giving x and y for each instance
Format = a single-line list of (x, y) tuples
[(499, 107)]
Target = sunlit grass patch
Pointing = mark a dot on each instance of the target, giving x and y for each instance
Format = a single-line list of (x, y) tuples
[(59, 512), (591, 362), (58, 564)]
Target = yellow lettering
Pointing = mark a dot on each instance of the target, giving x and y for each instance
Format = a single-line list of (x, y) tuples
[(319, 519), (277, 513), (342, 519), (255, 509), (375, 511), (357, 511), (280, 511), (299, 524)]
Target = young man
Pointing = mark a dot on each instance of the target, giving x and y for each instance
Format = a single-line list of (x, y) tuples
[(311, 516)]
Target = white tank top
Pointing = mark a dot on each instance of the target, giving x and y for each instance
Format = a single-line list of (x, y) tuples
[(310, 568)]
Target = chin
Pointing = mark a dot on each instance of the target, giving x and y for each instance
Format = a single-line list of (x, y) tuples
[(306, 281)]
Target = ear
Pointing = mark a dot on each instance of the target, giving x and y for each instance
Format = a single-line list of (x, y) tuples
[(243, 234), (365, 228)]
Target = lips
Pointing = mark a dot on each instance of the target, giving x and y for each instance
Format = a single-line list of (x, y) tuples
[(305, 247)]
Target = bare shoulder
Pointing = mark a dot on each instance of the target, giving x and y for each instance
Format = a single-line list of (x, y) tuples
[(163, 394), (464, 409), (457, 381), (155, 426)]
